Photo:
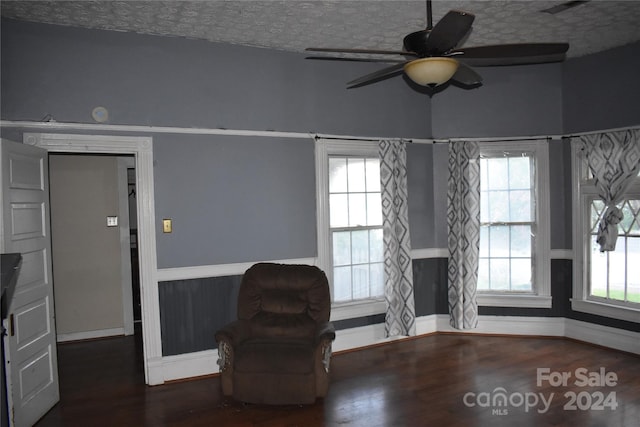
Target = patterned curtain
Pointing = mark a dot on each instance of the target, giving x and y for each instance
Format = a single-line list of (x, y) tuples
[(400, 317), (463, 219), (614, 160)]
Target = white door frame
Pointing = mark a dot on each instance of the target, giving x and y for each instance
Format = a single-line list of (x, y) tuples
[(125, 243), (142, 149)]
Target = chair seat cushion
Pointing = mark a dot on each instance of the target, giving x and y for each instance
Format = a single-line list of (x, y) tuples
[(270, 356)]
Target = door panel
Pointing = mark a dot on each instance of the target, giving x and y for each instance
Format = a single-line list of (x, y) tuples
[(30, 346)]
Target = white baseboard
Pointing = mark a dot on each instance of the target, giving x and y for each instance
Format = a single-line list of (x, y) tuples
[(605, 336), (188, 365), (88, 335), (348, 339), (509, 325)]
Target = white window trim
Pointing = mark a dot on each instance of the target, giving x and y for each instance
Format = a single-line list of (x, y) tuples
[(580, 301), (325, 148), (541, 297)]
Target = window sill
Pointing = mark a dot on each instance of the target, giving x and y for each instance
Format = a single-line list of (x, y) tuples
[(522, 300), (352, 310), (607, 310)]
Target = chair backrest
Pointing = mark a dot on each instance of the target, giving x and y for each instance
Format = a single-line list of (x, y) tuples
[(282, 289)]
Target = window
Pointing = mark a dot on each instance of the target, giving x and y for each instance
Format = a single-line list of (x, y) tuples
[(514, 233), (350, 238), (355, 227), (605, 283)]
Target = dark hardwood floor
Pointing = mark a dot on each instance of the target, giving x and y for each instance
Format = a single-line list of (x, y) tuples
[(435, 380)]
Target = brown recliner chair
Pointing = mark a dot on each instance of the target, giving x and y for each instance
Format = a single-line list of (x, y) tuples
[(278, 351)]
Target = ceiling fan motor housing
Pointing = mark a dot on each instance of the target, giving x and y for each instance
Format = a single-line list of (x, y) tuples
[(416, 42)]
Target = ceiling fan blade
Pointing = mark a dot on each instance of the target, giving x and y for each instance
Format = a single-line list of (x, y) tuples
[(377, 75), (365, 51), (512, 54), (466, 75), (337, 58), (448, 32)]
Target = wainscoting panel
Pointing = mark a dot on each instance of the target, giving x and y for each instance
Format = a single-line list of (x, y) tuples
[(192, 310)]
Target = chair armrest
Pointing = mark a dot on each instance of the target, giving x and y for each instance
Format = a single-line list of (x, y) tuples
[(325, 330), (234, 332)]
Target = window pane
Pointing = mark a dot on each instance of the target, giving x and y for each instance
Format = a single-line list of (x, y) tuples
[(521, 241), (520, 206), (617, 266), (521, 274), (498, 173), (484, 174), (360, 247), (598, 270), (339, 210), (597, 209), (519, 173), (342, 283), (357, 209), (484, 241), (499, 241), (356, 175), (498, 206), (373, 174), (341, 248), (635, 227), (633, 269), (627, 219), (360, 281), (499, 269), (337, 175), (376, 279), (483, 274), (484, 206), (374, 209), (376, 245)]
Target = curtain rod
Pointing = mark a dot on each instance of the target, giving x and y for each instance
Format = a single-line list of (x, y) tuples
[(374, 139), (603, 131), (51, 125), (54, 125)]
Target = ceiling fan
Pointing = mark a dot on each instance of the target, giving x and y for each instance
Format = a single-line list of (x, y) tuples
[(431, 56)]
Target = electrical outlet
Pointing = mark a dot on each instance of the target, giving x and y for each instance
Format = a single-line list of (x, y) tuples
[(112, 221), (166, 226)]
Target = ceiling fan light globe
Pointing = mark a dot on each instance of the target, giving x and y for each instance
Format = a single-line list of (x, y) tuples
[(431, 71)]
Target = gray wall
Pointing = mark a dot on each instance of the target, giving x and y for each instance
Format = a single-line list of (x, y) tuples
[(234, 199), (512, 101), (164, 81), (601, 91)]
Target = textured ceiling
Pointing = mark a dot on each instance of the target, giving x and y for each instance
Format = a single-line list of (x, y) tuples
[(293, 25)]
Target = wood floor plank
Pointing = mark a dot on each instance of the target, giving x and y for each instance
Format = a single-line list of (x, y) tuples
[(417, 382)]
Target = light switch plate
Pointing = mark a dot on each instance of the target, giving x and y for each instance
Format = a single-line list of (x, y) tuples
[(166, 226), (112, 221)]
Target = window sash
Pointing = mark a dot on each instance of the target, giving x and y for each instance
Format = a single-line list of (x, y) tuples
[(499, 271), (540, 294)]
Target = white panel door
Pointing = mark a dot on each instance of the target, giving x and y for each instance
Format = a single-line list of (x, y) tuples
[(30, 344)]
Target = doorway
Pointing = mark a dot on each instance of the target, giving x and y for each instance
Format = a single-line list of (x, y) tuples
[(142, 150), (92, 228)]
